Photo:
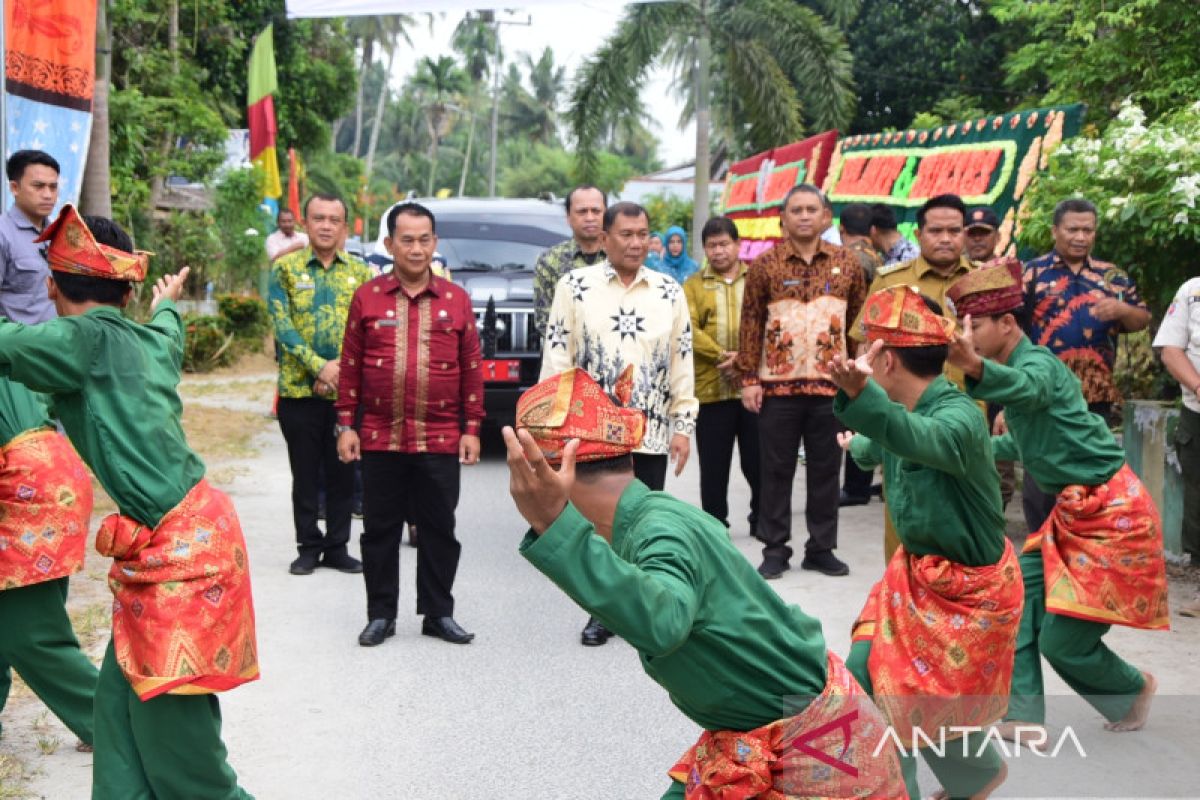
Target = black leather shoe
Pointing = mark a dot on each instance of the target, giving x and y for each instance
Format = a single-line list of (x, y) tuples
[(826, 563), (594, 633), (772, 568), (446, 629), (852, 500), (304, 565), (342, 562), (376, 631)]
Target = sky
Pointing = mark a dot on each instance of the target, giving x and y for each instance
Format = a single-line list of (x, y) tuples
[(559, 26)]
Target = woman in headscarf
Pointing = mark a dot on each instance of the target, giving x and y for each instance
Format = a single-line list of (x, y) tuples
[(655, 252), (675, 260)]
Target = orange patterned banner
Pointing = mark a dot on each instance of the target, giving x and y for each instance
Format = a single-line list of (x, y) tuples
[(836, 747), (51, 50), (183, 616), (45, 506), (943, 637), (1103, 553)]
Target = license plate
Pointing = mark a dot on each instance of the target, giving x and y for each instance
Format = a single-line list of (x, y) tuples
[(506, 370)]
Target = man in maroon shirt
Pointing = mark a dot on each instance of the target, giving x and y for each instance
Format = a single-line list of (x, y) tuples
[(410, 405)]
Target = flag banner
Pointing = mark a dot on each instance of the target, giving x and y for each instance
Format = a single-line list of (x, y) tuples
[(260, 111), (360, 8), (987, 162), (50, 70), (756, 186)]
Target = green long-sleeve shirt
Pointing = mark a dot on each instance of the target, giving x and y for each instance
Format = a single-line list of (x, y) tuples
[(1050, 429), (943, 492), (730, 652), (20, 410), (113, 383)]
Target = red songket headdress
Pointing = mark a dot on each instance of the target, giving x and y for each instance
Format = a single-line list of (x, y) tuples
[(74, 249), (995, 288), (898, 315), (572, 405)]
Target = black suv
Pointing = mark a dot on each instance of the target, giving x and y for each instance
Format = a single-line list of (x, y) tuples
[(490, 247)]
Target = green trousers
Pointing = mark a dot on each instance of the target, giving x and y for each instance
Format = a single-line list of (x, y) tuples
[(36, 639), (963, 769), (1075, 651), (165, 748)]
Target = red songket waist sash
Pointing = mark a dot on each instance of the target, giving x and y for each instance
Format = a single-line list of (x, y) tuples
[(943, 638), (1102, 550), (837, 747), (183, 618), (45, 506)]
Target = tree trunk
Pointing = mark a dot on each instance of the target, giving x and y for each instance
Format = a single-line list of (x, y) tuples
[(435, 125), (383, 93), (462, 179), (95, 195), (368, 52), (495, 116), (703, 156)]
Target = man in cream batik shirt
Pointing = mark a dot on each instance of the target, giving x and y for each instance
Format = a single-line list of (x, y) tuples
[(618, 313)]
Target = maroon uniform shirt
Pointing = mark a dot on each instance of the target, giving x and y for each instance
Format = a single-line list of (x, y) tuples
[(411, 364)]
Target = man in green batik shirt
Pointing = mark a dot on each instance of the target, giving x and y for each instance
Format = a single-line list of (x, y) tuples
[(309, 300), (585, 214), (665, 577)]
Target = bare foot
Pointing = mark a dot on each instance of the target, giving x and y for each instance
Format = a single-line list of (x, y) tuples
[(83, 747), (1032, 734), (1136, 718), (985, 792)]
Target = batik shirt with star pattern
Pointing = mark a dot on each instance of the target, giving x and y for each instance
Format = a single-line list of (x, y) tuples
[(599, 324), (308, 304)]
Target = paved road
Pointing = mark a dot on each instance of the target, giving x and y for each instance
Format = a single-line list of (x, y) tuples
[(525, 711)]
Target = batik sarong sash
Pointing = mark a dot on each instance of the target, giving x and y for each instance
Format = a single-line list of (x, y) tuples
[(45, 506), (942, 639), (836, 747), (1102, 550), (183, 618)]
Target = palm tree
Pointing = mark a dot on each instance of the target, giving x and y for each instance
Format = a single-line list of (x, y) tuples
[(476, 40), (548, 81), (787, 64), (439, 81), (384, 32)]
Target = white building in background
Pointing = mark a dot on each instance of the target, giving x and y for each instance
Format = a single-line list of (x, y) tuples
[(674, 182)]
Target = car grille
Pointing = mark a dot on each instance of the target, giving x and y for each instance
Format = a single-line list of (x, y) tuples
[(515, 332)]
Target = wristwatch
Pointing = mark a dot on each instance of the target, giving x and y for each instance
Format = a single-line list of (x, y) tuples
[(338, 430)]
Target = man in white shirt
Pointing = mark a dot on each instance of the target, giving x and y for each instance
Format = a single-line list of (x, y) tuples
[(286, 239), (1178, 342), (619, 313)]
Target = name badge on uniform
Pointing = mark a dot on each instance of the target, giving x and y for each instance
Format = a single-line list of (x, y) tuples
[(792, 282), (387, 323), (306, 286)]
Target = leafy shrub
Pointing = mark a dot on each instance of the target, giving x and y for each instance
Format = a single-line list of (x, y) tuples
[(206, 345), (246, 318)]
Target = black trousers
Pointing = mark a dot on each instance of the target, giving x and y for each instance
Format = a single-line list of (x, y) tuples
[(307, 424), (422, 488), (1187, 447), (1036, 504), (651, 470), (857, 481), (782, 425), (718, 426)]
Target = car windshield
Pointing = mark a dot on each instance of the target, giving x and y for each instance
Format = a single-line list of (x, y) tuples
[(487, 246)]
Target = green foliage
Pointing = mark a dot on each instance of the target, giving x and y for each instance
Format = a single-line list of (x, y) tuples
[(540, 168), (1145, 181), (666, 210), (1102, 51), (206, 345), (243, 228), (949, 109), (246, 317), (911, 55), (1138, 372), (186, 239)]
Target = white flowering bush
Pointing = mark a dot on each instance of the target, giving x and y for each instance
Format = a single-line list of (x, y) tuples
[(1145, 181)]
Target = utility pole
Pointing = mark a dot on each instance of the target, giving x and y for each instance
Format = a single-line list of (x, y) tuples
[(496, 99)]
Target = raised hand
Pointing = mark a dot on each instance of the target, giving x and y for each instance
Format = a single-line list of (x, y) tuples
[(168, 287), (844, 440), (851, 374), (961, 352), (540, 491)]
